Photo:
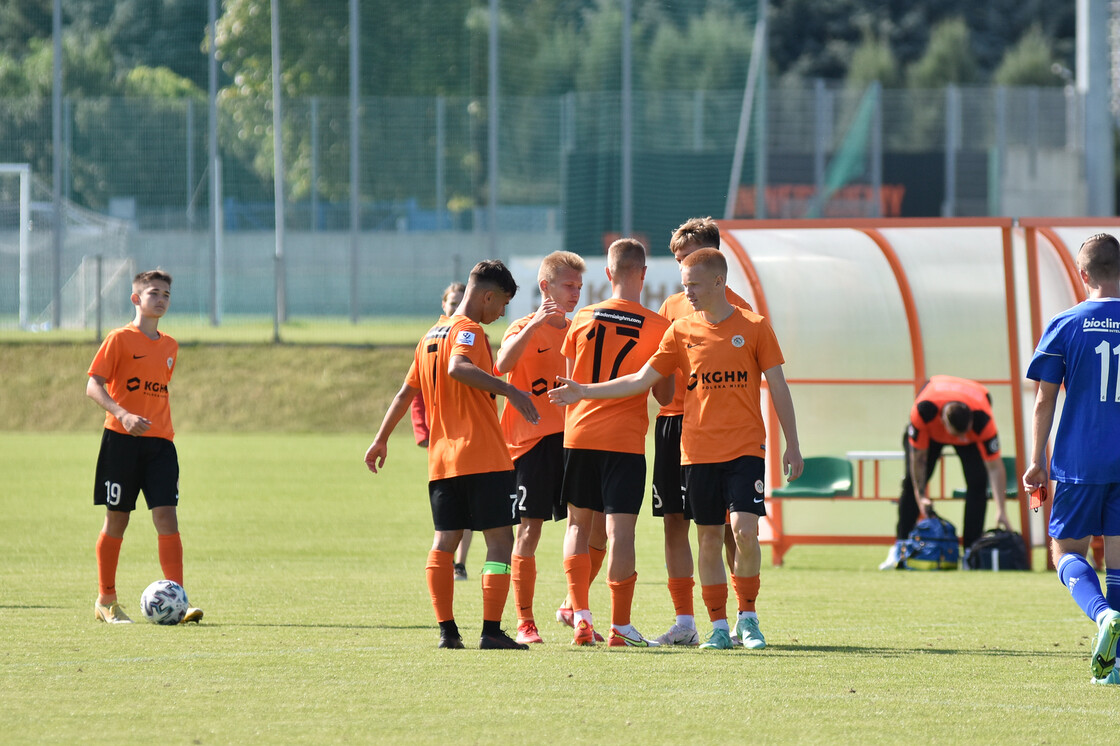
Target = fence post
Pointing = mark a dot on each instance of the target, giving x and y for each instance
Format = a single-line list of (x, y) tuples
[(97, 259)]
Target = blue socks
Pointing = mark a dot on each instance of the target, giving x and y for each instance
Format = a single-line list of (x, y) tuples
[(1112, 588), (1081, 579)]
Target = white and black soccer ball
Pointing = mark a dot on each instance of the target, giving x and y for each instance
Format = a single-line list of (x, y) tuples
[(164, 602)]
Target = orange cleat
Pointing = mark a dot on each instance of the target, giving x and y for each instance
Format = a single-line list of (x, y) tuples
[(585, 634), (527, 633)]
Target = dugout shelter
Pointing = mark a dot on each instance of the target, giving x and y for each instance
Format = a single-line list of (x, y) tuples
[(866, 311)]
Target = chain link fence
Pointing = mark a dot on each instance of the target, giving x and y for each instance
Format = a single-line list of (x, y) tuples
[(137, 185)]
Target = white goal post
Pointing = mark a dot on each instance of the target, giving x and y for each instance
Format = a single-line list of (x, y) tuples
[(23, 170)]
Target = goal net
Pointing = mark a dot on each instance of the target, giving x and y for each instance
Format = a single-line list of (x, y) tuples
[(27, 256)]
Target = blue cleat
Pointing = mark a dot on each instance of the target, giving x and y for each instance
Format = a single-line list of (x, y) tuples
[(746, 629), (720, 640)]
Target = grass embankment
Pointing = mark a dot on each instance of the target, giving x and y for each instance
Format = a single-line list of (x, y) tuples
[(216, 388)]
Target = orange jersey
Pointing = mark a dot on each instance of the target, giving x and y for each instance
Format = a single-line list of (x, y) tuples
[(607, 340), (137, 372), (464, 434), (535, 372), (925, 415), (722, 366), (677, 307)]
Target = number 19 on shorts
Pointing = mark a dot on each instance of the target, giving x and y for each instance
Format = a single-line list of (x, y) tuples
[(112, 493)]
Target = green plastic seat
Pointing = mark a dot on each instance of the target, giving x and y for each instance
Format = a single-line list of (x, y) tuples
[(1012, 480), (824, 476)]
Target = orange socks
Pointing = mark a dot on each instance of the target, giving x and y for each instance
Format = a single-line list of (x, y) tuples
[(680, 590), (524, 579), (597, 558), (171, 557), (108, 551), (746, 591), (440, 572), (495, 591), (622, 599), (577, 568), (715, 598)]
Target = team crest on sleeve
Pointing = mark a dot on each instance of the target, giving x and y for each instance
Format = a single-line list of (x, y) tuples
[(738, 341), (170, 362), (465, 338)]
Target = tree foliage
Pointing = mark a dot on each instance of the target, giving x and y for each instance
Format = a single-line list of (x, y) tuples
[(948, 59), (1028, 63)]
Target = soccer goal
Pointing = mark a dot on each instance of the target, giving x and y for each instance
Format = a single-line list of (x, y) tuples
[(50, 255), (15, 228)]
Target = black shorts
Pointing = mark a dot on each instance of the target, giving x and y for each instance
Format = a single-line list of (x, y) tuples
[(127, 464), (606, 481), (540, 476), (737, 486), (475, 501), (668, 483)]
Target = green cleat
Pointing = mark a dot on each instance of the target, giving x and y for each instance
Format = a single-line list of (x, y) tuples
[(1104, 645), (746, 629), (1112, 678), (720, 639)]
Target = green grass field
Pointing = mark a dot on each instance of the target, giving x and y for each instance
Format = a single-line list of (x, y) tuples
[(319, 628)]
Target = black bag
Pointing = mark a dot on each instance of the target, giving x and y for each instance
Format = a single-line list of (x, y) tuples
[(997, 550), (932, 545)]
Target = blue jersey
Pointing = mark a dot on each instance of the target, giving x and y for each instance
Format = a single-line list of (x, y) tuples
[(1081, 348)]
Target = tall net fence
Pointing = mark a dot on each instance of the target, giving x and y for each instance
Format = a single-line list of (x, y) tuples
[(138, 181)]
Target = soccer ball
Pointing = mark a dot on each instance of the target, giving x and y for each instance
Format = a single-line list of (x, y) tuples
[(164, 602)]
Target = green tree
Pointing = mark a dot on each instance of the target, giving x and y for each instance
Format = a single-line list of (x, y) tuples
[(873, 60), (947, 60), (1028, 63), (711, 54)]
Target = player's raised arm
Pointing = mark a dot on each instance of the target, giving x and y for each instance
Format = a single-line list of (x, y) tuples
[(379, 448), (571, 392), (513, 347), (466, 372)]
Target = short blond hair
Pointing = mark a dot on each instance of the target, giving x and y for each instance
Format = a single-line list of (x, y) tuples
[(455, 287), (710, 259), (626, 255), (702, 233), (558, 260)]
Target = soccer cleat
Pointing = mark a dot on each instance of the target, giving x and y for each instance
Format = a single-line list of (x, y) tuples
[(631, 639), (1112, 678), (193, 615), (585, 634), (720, 639), (460, 571), (894, 557), (527, 632), (1104, 645), (566, 616), (679, 634), (499, 641), (450, 641), (111, 614), (746, 629)]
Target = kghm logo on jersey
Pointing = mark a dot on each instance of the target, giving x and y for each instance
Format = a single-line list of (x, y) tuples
[(718, 379), (1100, 325)]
